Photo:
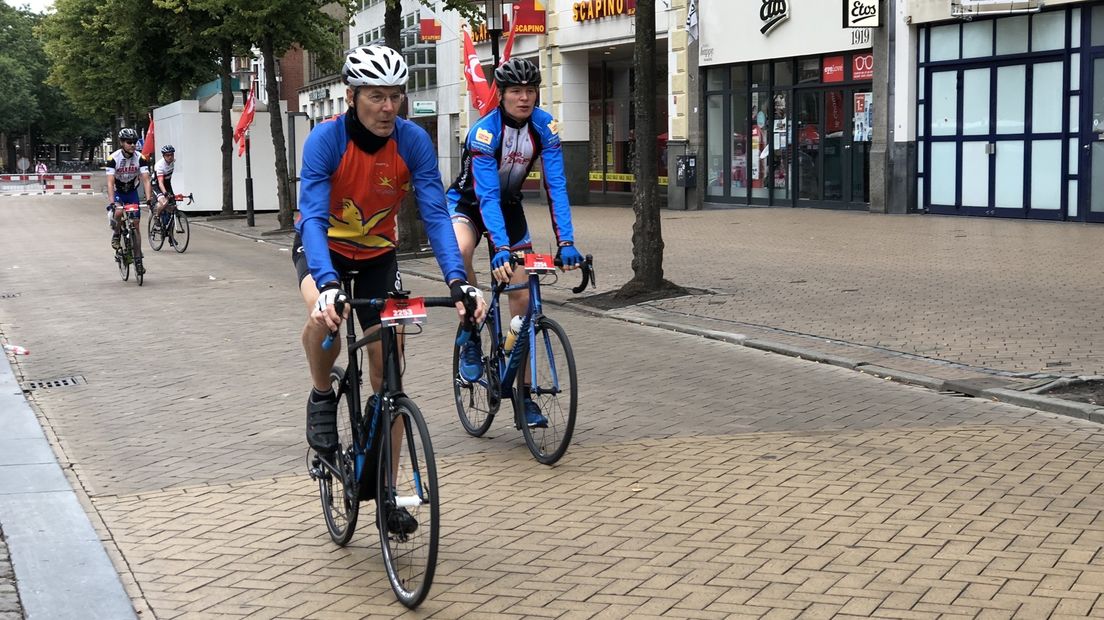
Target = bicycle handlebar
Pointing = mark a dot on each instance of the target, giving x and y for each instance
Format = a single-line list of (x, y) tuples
[(378, 302), (587, 267)]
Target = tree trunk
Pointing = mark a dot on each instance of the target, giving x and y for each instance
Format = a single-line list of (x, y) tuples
[(647, 239), (412, 235), (227, 52), (276, 122)]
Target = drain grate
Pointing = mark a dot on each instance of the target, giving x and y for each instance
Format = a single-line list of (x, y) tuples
[(60, 382), (8, 295)]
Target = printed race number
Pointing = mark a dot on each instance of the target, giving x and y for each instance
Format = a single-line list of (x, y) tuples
[(410, 311), (539, 263)]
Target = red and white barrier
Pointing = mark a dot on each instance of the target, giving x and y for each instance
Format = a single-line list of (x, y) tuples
[(30, 184)]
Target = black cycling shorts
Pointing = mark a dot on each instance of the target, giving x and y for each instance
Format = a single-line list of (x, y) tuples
[(516, 226), (374, 278)]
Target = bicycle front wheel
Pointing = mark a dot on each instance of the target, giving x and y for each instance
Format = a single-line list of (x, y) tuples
[(180, 233), (554, 390), (155, 234), (407, 505), (123, 261), (337, 485), (135, 237), (476, 401)]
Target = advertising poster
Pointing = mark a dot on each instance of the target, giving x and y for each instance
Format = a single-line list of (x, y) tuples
[(863, 117)]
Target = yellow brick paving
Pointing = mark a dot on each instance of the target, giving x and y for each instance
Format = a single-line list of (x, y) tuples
[(705, 480), (891, 524)]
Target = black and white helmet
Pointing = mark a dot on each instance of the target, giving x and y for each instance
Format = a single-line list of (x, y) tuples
[(374, 65), (517, 72), (126, 133)]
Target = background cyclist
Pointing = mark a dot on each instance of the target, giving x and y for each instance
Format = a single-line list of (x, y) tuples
[(356, 170), (499, 152), (162, 186), (124, 168)]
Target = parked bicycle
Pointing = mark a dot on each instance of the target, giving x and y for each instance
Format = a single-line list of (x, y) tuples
[(128, 241), (399, 473), (548, 361), (172, 225)]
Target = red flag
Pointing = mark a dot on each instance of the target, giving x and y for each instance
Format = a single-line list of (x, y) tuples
[(478, 88), (245, 121), (147, 145)]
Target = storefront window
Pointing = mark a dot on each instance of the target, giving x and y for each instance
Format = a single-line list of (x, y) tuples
[(1046, 174), (1012, 35), (808, 144), (944, 42), (715, 79), (740, 163), (975, 101), (808, 70), (1048, 31), (977, 39), (780, 154), (715, 143), (783, 73), (1047, 79), (760, 75), (944, 103), (1011, 85), (758, 149), (1010, 174)]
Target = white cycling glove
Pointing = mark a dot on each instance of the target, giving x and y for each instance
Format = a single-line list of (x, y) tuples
[(326, 298)]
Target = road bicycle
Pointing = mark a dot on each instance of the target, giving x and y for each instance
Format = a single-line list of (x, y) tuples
[(541, 348), (400, 474), (128, 242), (172, 225)]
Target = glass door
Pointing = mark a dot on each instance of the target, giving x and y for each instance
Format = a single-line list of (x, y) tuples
[(1092, 145)]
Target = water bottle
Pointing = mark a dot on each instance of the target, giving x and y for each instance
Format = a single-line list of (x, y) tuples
[(511, 337)]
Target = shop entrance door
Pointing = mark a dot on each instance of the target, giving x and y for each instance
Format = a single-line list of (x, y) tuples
[(1092, 145), (831, 144)]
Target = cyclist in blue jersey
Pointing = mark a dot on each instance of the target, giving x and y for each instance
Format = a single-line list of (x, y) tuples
[(499, 152), (356, 170)]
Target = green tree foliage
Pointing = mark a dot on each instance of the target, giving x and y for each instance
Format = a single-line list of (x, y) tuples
[(119, 57), (22, 67)]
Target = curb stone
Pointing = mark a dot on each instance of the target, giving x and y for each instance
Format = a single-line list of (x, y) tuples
[(1084, 411)]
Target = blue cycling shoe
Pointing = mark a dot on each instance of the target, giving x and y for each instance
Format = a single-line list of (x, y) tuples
[(533, 416), (471, 361)]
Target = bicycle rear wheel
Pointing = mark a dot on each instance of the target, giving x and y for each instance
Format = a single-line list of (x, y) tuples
[(553, 387), (476, 401), (338, 489), (156, 236), (180, 232), (408, 509)]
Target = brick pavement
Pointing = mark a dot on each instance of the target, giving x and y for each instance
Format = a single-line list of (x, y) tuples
[(705, 480), (10, 609)]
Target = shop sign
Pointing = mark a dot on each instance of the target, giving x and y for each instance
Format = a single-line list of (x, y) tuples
[(479, 32), (597, 9), (772, 13), (833, 69), (860, 14), (423, 108), (862, 67), (530, 17), (429, 30), (319, 95)]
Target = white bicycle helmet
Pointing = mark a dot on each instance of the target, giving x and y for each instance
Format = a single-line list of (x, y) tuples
[(375, 65)]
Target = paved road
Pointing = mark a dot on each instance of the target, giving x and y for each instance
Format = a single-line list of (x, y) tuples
[(706, 480)]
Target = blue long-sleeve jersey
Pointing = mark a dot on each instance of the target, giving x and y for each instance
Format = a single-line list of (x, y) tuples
[(349, 198), (498, 156)]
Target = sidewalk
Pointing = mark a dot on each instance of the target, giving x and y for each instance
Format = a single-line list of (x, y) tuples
[(985, 307)]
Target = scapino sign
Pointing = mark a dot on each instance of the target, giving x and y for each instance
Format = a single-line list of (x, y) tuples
[(597, 9)]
